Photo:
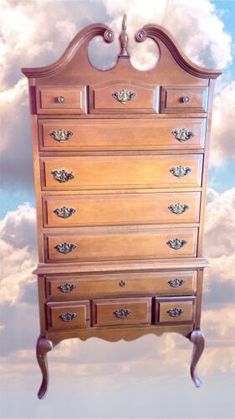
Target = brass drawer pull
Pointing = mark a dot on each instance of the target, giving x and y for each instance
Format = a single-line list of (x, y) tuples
[(65, 248), (180, 171), (176, 282), (61, 135), (66, 287), (175, 312), (123, 96), (182, 134), (64, 212), (122, 283), (122, 313), (178, 208), (62, 175), (176, 244), (185, 99), (68, 317), (60, 99)]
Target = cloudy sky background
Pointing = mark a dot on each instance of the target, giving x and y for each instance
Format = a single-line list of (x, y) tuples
[(147, 378)]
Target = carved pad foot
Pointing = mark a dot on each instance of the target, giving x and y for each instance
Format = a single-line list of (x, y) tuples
[(197, 338), (44, 345)]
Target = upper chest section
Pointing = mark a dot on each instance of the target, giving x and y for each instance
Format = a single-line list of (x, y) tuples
[(72, 86)]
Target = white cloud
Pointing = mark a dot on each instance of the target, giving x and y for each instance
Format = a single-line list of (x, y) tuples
[(17, 253), (197, 27), (220, 233)]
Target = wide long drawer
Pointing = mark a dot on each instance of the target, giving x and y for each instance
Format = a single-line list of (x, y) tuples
[(72, 287), (122, 171), (115, 134), (110, 209), (121, 243)]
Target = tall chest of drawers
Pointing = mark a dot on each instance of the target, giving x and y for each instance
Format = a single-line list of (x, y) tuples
[(120, 161)]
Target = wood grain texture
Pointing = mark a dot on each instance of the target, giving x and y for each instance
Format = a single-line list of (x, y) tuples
[(121, 266), (73, 100), (101, 172), (111, 245), (126, 209), (136, 311), (165, 309), (121, 285), (79, 315), (175, 99), (145, 98), (113, 134)]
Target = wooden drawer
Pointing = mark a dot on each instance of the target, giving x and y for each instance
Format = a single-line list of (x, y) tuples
[(122, 171), (121, 311), (62, 100), (121, 243), (124, 98), (110, 209), (71, 287), (68, 316), (184, 99), (113, 134), (174, 310)]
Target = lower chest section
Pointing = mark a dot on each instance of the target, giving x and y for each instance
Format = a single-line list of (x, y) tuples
[(72, 302)]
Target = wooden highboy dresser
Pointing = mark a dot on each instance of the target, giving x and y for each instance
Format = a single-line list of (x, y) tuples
[(120, 162)]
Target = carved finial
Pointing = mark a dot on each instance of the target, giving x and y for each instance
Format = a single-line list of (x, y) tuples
[(123, 39)]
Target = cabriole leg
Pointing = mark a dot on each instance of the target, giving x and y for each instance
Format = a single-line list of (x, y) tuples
[(197, 338), (44, 345)]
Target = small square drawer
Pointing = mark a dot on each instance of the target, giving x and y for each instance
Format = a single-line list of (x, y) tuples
[(124, 97), (122, 311), (174, 310), (62, 100), (184, 99), (68, 316)]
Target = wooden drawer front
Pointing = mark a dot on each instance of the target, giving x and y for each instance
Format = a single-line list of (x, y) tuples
[(70, 287), (110, 209), (121, 311), (113, 172), (67, 134), (62, 100), (124, 98), (122, 244), (68, 316), (185, 99), (174, 310)]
